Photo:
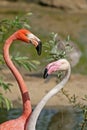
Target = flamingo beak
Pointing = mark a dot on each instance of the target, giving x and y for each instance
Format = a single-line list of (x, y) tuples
[(36, 42), (45, 73), (39, 48)]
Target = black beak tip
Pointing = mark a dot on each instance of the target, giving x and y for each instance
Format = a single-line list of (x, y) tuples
[(39, 48), (45, 73)]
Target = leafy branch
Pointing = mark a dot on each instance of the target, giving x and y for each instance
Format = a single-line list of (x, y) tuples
[(26, 62), (73, 100), (57, 48), (11, 25), (3, 100)]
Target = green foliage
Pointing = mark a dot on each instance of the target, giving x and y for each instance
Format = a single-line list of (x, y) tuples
[(73, 100), (11, 25), (25, 62), (1, 60), (5, 102), (57, 48), (4, 85)]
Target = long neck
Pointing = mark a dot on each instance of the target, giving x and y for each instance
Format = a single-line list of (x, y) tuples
[(35, 114), (20, 81)]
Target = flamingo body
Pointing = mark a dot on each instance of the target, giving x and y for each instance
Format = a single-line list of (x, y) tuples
[(62, 65), (17, 124), (28, 37)]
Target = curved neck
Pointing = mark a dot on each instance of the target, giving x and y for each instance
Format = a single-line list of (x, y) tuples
[(35, 114), (20, 81)]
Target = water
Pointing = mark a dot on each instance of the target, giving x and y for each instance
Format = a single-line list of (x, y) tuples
[(50, 119)]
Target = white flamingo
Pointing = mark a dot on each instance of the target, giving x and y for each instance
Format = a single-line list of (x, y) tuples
[(62, 65)]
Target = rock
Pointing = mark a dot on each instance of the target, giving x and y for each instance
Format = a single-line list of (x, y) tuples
[(71, 49), (66, 4), (74, 54)]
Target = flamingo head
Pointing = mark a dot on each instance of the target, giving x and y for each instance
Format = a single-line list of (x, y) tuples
[(61, 64), (28, 37)]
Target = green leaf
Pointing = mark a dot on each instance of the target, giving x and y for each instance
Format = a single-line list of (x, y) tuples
[(5, 86), (7, 103)]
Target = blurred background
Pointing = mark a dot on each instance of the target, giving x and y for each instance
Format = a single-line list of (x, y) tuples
[(65, 18)]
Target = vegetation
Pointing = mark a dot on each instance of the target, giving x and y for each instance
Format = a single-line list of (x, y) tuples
[(73, 100)]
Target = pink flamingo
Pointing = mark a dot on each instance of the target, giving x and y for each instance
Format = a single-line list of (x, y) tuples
[(61, 64), (28, 37)]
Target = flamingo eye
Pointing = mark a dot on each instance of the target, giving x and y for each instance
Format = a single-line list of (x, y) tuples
[(26, 34), (63, 63)]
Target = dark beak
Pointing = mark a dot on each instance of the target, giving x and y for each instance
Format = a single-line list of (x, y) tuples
[(45, 73), (39, 48)]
